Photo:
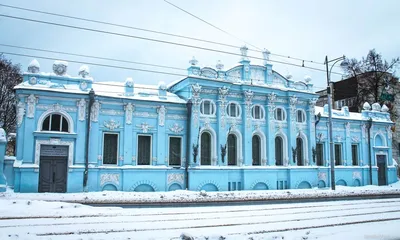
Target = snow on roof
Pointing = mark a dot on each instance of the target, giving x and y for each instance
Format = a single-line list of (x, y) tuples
[(338, 114), (140, 92)]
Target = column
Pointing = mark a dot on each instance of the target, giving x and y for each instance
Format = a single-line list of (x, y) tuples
[(292, 127), (270, 129), (311, 132), (347, 161), (30, 127), (94, 137), (247, 129), (128, 137), (162, 139), (222, 124)]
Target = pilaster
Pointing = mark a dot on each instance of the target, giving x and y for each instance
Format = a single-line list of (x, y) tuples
[(247, 130), (270, 108), (128, 133), (162, 140)]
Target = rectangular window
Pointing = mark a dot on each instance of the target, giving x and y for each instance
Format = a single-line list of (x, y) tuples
[(338, 154), (144, 150), (320, 154), (207, 106), (175, 151), (232, 110), (354, 154), (110, 148)]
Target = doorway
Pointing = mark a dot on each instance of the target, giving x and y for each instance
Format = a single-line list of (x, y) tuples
[(53, 168), (381, 162)]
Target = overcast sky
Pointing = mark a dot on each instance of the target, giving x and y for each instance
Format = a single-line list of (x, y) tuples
[(309, 29)]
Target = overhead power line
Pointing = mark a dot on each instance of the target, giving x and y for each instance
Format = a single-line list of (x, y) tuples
[(89, 56), (153, 31), (114, 66), (154, 40)]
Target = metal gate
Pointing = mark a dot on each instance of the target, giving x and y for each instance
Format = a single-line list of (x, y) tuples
[(381, 162), (53, 168)]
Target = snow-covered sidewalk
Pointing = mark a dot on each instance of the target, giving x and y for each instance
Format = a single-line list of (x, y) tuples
[(182, 196)]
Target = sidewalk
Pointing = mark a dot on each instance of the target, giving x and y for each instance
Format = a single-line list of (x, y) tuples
[(183, 196)]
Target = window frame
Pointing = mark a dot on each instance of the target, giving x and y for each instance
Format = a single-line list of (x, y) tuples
[(213, 107), (117, 159), (322, 154), (283, 111), (341, 154), (238, 110), (151, 149), (357, 154), (303, 115), (181, 152), (50, 116), (262, 112)]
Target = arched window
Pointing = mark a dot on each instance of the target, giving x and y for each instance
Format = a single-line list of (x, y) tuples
[(299, 152), (232, 150), (207, 107), (205, 149), (280, 114), (233, 110), (257, 112), (300, 116), (55, 122), (256, 150), (278, 151)]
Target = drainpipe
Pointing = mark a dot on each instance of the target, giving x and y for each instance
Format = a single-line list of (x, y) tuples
[(369, 125), (188, 136), (86, 172)]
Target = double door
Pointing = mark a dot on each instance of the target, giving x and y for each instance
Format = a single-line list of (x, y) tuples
[(53, 169)]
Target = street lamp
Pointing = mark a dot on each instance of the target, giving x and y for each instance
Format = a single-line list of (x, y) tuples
[(328, 90)]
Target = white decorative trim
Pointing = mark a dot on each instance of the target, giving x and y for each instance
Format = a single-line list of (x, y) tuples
[(57, 142), (322, 176), (239, 138), (389, 132), (175, 178), (20, 113), (305, 147), (384, 142), (94, 114), (56, 107), (111, 124), (112, 112), (161, 115), (81, 109), (145, 127), (355, 139), (31, 101), (54, 111), (285, 160), (129, 108), (176, 128), (109, 178), (356, 175), (144, 114)]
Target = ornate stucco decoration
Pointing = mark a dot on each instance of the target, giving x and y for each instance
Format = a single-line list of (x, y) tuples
[(145, 127), (271, 108), (322, 176), (389, 132), (112, 112), (31, 101), (55, 141), (292, 103), (175, 178), (94, 114), (112, 178), (338, 138), (56, 108), (356, 175), (60, 67), (196, 89), (311, 105), (355, 139), (33, 80), (81, 109), (320, 137), (248, 98), (112, 124), (364, 132), (20, 113), (347, 126), (129, 108), (223, 92), (161, 115), (176, 128)]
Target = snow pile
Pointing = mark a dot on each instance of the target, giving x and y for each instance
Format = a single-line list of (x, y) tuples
[(185, 196)]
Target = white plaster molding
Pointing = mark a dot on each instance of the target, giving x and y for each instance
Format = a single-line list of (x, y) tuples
[(81, 109), (175, 178), (57, 142), (129, 108), (161, 115), (31, 101), (145, 127), (56, 110), (107, 178), (176, 128), (111, 124), (94, 115), (20, 113)]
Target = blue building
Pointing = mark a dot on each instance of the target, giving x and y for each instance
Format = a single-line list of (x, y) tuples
[(244, 128)]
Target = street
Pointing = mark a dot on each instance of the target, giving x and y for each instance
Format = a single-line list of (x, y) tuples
[(357, 219)]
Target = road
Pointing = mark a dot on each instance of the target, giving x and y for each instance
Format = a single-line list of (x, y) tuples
[(357, 219)]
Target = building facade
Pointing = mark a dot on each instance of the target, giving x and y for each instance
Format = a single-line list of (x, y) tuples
[(244, 128)]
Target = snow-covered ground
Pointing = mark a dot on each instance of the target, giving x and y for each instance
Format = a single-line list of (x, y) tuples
[(25, 216), (361, 219), (192, 196)]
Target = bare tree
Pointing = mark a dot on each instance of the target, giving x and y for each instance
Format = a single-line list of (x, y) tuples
[(375, 78), (10, 76)]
